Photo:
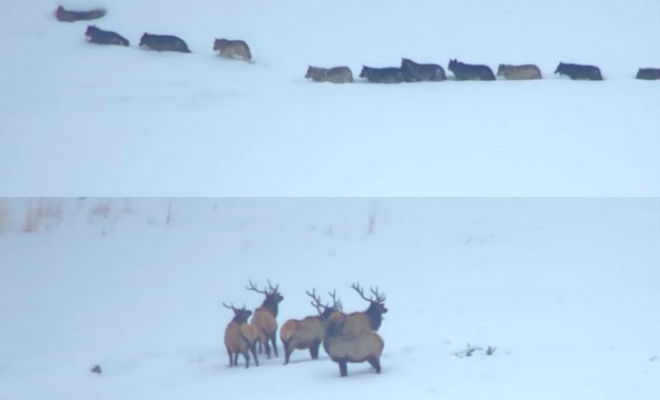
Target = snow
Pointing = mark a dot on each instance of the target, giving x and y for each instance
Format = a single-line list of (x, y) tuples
[(566, 290), (82, 119), (554, 262)]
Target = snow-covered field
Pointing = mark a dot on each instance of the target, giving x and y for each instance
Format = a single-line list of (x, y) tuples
[(567, 290), (82, 119)]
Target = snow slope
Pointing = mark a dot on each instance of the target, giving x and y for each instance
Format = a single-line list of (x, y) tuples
[(567, 291), (81, 119)]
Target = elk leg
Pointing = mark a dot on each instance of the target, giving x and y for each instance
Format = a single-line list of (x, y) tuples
[(314, 350), (375, 362), (236, 358), (246, 355), (267, 348), (254, 354), (261, 350), (231, 361), (287, 352), (343, 370), (272, 339)]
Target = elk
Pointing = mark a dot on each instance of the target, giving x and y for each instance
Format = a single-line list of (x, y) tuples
[(263, 319), (308, 333), (368, 320), (352, 347), (240, 337)]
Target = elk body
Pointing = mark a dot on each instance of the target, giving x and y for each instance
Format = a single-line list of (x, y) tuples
[(368, 320), (352, 347), (240, 337), (308, 332), (352, 337), (264, 318)]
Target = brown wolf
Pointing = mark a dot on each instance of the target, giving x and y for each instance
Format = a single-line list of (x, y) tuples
[(233, 49), (335, 74), (71, 16), (517, 72)]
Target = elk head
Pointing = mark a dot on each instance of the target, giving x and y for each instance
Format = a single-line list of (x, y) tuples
[(241, 315), (325, 310), (273, 296), (376, 304)]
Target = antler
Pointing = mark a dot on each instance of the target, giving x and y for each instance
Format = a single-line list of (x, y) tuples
[(356, 286), (254, 288), (271, 289), (316, 301), (336, 303), (231, 307), (379, 297)]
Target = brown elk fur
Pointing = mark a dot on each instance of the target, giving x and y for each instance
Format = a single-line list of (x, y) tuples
[(240, 337), (365, 321), (263, 320), (344, 348), (265, 325), (308, 333), (302, 334)]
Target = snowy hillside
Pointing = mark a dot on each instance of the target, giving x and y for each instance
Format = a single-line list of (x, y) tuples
[(83, 119), (566, 290)]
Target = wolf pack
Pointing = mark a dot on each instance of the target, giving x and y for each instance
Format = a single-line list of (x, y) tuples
[(236, 49), (346, 338), (408, 71), (411, 71)]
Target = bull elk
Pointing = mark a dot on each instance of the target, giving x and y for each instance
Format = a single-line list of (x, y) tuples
[(264, 317), (308, 332), (240, 337), (368, 320), (353, 347)]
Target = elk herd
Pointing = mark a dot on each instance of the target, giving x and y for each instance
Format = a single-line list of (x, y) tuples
[(408, 71), (346, 338)]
